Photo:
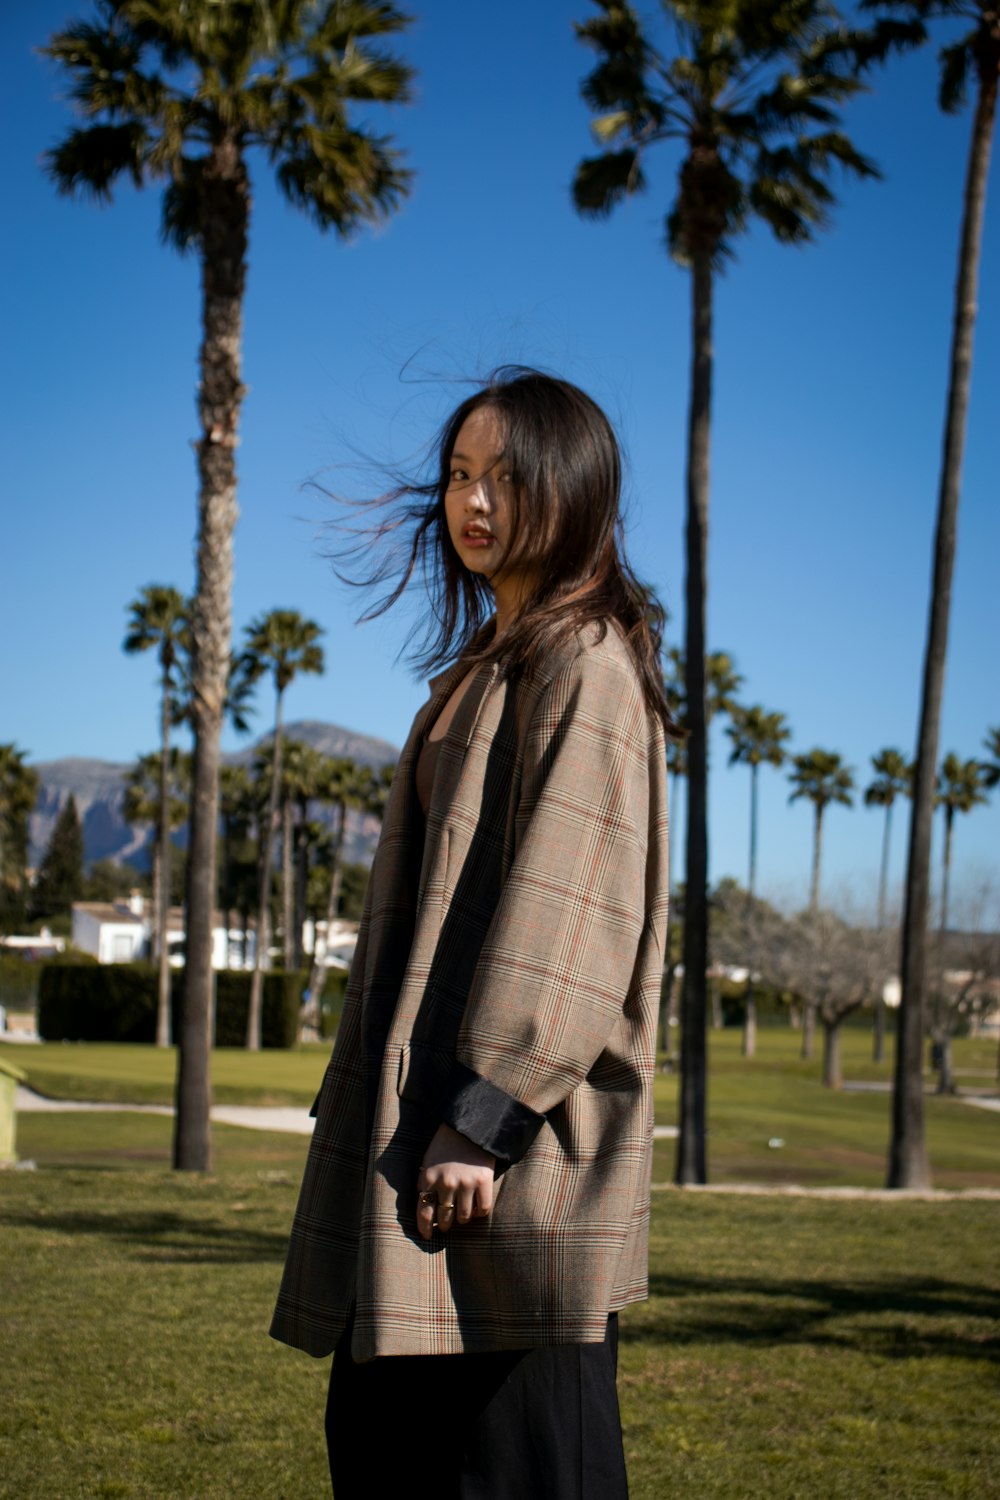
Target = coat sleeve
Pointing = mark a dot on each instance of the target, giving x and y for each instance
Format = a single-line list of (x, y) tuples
[(559, 955)]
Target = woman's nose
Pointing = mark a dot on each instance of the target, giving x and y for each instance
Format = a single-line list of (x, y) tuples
[(476, 498)]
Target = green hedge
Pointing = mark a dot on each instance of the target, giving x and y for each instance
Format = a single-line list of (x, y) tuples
[(18, 982), (279, 1022), (117, 1003), (97, 1003)]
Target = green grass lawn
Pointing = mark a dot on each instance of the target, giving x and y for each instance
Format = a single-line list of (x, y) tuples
[(792, 1349), (123, 1073), (829, 1138)]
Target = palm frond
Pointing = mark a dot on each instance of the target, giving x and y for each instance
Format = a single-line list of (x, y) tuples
[(343, 21), (341, 179), (603, 181), (92, 157), (956, 63), (180, 215)]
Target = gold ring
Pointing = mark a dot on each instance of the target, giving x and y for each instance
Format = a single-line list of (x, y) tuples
[(443, 1206)]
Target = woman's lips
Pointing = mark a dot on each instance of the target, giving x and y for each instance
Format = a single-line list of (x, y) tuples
[(477, 538)]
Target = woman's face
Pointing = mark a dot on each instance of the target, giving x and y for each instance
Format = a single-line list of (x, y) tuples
[(478, 502)]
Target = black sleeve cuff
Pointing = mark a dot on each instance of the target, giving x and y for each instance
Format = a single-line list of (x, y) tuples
[(484, 1114)]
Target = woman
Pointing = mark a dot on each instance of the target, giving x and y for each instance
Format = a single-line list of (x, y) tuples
[(475, 1205)]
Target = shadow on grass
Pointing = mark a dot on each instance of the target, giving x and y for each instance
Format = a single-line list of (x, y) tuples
[(163, 1236), (902, 1318)]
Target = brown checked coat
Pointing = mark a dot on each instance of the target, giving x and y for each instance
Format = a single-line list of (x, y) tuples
[(506, 980)]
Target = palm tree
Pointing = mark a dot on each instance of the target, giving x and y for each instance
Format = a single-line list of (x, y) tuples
[(237, 807), (959, 789), (822, 778), (158, 619), (180, 91), (752, 96), (976, 55), (757, 739), (158, 792), (343, 784), (283, 644), (18, 795), (302, 782), (893, 775), (673, 683)]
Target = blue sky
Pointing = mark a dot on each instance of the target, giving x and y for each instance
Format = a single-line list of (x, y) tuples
[(830, 379)]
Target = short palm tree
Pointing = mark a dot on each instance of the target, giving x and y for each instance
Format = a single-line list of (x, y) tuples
[(973, 57), (280, 644), (145, 801), (959, 789), (751, 94), (159, 620), (18, 795), (343, 784), (237, 808), (821, 777), (181, 92), (758, 739), (893, 778), (302, 782)]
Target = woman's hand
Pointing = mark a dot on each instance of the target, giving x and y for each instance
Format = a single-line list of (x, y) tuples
[(455, 1182)]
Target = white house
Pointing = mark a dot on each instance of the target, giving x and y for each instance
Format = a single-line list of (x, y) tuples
[(115, 932), (119, 932)]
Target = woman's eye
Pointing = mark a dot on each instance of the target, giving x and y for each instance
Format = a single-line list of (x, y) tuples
[(458, 476)]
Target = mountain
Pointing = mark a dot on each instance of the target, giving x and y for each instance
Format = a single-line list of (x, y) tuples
[(98, 787)]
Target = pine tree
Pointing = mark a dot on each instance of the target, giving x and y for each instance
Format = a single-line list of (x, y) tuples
[(60, 875)]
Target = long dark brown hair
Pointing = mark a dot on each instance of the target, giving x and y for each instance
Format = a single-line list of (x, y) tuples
[(566, 530)]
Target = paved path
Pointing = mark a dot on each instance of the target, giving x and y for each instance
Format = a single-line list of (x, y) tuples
[(295, 1120)]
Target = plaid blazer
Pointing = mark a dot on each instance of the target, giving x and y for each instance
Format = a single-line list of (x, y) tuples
[(506, 980)]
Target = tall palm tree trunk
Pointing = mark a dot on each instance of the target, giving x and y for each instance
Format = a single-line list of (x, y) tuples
[(878, 1034), (691, 1164), (317, 971), (908, 1164), (749, 1041), (289, 946), (255, 1013), (301, 885), (883, 878), (225, 215), (949, 819), (753, 828), (163, 894), (817, 857)]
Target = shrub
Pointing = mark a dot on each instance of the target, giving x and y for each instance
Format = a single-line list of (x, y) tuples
[(97, 1002), (279, 1010), (117, 1003), (18, 982)]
